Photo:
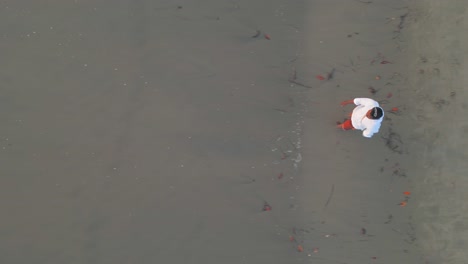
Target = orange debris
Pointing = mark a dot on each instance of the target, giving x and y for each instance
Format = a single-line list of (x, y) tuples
[(300, 248)]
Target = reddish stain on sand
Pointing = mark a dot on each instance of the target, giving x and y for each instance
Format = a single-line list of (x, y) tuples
[(320, 77)]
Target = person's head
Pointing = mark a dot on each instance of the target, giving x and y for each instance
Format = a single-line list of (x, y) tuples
[(375, 113)]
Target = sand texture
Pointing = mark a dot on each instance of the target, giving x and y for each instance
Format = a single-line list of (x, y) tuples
[(138, 131)]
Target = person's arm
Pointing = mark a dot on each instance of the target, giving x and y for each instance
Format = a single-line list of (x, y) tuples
[(347, 102), (367, 133), (365, 101), (371, 129)]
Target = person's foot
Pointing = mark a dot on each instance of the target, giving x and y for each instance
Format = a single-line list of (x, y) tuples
[(339, 125)]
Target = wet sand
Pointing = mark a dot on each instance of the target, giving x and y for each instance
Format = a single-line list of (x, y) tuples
[(147, 132), (438, 97), (162, 132), (353, 187)]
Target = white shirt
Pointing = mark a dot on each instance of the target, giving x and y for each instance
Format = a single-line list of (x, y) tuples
[(359, 119)]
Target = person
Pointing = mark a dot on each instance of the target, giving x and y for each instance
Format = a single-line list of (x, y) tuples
[(366, 116)]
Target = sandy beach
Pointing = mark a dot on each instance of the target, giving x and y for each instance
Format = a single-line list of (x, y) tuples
[(437, 143), (205, 132), (410, 55)]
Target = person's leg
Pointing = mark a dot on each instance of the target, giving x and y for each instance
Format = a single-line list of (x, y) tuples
[(346, 125)]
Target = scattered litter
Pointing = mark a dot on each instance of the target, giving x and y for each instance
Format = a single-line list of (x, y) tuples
[(300, 248), (267, 36), (320, 77), (257, 34), (378, 57), (266, 207), (330, 196), (385, 62), (372, 90), (293, 79), (394, 109), (377, 77), (402, 21), (331, 74), (407, 193), (403, 204), (389, 219)]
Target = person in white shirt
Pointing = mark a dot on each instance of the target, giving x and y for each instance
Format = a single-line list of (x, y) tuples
[(367, 116)]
